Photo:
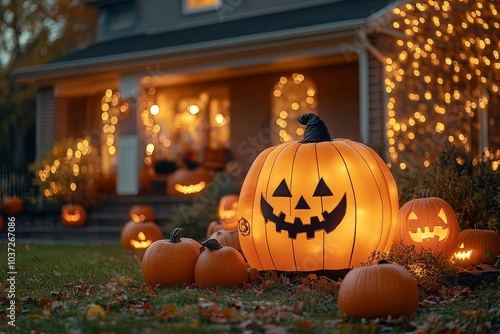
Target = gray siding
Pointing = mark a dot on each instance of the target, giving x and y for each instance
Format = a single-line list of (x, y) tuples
[(377, 105), (162, 15)]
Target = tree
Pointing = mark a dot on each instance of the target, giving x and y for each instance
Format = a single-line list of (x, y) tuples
[(33, 32)]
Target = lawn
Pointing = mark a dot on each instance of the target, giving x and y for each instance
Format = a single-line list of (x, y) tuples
[(100, 289)]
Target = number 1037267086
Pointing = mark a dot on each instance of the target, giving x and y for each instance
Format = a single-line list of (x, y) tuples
[(11, 245)]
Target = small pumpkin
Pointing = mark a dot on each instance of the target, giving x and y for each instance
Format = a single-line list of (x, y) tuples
[(213, 227), (185, 182), (228, 207), (139, 213), (73, 215), (139, 235), (428, 222), (171, 262), (12, 205), (378, 291), (219, 265), (477, 246), (227, 238)]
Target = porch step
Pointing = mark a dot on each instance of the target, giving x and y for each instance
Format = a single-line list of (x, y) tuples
[(103, 225)]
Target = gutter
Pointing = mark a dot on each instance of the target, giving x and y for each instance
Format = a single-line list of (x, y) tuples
[(256, 42)]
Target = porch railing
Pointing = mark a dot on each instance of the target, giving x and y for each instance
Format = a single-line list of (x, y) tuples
[(16, 182)]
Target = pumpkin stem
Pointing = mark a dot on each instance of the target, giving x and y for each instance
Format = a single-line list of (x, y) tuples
[(210, 244), (175, 235), (383, 262), (425, 193), (316, 130)]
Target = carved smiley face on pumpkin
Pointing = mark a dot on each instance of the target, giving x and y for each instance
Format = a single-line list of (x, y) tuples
[(321, 205), (303, 218), (140, 235), (428, 222), (73, 215), (435, 228), (477, 246), (186, 182)]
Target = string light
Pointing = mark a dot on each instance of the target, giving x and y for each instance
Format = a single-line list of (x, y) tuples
[(156, 142), (293, 96), (441, 79), (65, 171)]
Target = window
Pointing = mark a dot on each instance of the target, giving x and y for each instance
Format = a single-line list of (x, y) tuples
[(120, 18), (292, 96), (196, 6)]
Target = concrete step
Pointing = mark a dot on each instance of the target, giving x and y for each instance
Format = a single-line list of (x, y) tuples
[(103, 225)]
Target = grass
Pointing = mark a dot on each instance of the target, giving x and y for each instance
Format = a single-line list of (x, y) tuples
[(99, 289)]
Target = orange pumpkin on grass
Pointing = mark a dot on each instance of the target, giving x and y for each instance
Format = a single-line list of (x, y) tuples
[(428, 222), (219, 266), (477, 246), (171, 262), (378, 291)]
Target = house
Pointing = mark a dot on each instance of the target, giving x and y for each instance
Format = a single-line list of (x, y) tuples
[(206, 76)]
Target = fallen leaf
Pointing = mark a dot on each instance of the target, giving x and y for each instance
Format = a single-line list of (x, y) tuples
[(94, 311)]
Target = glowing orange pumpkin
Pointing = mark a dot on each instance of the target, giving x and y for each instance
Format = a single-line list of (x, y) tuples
[(185, 182), (139, 213), (477, 246), (140, 235), (228, 207), (316, 205), (73, 215), (428, 222)]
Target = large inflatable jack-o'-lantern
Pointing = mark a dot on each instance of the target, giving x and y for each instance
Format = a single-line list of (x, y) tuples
[(318, 205)]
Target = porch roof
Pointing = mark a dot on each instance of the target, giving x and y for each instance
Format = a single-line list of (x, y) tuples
[(348, 14)]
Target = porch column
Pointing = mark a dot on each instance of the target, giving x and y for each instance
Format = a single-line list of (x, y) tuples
[(128, 144), (364, 95), (44, 121)]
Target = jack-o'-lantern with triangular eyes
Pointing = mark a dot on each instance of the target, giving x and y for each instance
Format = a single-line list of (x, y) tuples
[(477, 246), (428, 222), (316, 205)]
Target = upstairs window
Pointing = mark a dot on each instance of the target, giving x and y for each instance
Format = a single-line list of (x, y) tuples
[(120, 18), (196, 6)]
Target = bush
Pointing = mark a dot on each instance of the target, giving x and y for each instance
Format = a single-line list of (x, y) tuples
[(470, 186), (69, 172), (431, 270), (194, 218)]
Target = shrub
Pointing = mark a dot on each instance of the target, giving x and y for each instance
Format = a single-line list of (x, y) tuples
[(470, 186), (431, 270), (194, 218), (69, 172)]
